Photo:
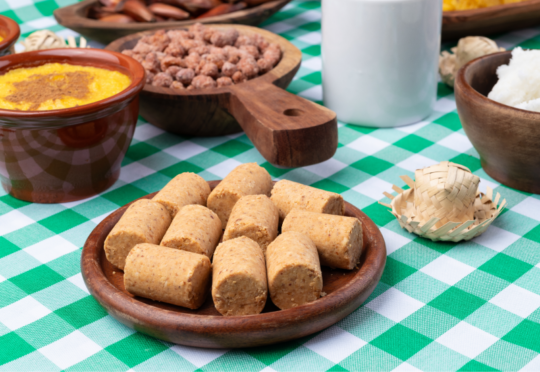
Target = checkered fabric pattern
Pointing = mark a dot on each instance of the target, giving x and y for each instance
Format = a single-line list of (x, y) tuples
[(471, 306)]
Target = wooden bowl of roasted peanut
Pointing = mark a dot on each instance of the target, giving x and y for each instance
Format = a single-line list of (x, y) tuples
[(202, 83)]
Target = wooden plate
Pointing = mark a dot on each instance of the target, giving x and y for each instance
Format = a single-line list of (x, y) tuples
[(490, 20), (74, 17), (288, 130), (205, 327)]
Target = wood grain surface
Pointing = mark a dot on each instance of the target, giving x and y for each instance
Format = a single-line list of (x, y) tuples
[(205, 327), (75, 17), (506, 138), (288, 130), (490, 20)]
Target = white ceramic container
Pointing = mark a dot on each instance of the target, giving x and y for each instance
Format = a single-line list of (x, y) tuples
[(380, 59)]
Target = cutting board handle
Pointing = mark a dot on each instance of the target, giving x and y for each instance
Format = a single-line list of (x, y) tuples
[(288, 130)]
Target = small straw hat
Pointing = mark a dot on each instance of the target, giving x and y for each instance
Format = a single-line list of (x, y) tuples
[(443, 203)]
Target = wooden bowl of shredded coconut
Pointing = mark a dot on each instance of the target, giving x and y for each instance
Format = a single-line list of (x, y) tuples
[(506, 138)]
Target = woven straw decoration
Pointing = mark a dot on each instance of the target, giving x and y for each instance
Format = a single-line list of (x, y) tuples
[(46, 39), (445, 189)]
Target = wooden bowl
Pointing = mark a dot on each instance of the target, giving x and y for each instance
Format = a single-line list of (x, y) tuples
[(205, 327), (10, 32), (490, 20), (506, 138), (75, 17), (288, 130)]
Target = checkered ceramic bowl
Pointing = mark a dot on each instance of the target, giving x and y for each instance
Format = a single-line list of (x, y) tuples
[(9, 33), (66, 155)]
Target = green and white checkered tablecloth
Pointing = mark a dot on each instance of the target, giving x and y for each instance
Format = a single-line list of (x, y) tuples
[(473, 306)]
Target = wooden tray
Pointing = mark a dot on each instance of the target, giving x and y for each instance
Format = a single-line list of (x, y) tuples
[(490, 20), (74, 17), (205, 327), (288, 130)]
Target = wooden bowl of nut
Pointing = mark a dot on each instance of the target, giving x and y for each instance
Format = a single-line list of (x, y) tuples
[(221, 79), (255, 291), (108, 20)]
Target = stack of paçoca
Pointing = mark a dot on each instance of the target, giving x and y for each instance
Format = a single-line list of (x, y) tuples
[(443, 203), (169, 250)]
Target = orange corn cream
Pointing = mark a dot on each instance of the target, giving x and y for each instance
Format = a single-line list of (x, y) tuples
[(56, 86)]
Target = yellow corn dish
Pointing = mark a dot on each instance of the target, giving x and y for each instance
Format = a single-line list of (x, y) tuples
[(450, 5), (55, 86)]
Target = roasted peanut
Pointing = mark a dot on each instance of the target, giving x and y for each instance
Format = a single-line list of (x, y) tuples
[(185, 76), (224, 81), (162, 80), (202, 81), (177, 85), (203, 57)]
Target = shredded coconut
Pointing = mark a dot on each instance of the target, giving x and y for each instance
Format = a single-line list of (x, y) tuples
[(519, 81)]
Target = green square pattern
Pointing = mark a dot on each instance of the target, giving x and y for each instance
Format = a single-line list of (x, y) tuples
[(13, 347), (36, 279), (401, 342), (63, 221), (506, 267), (457, 303), (146, 347), (81, 312), (372, 165), (395, 271)]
